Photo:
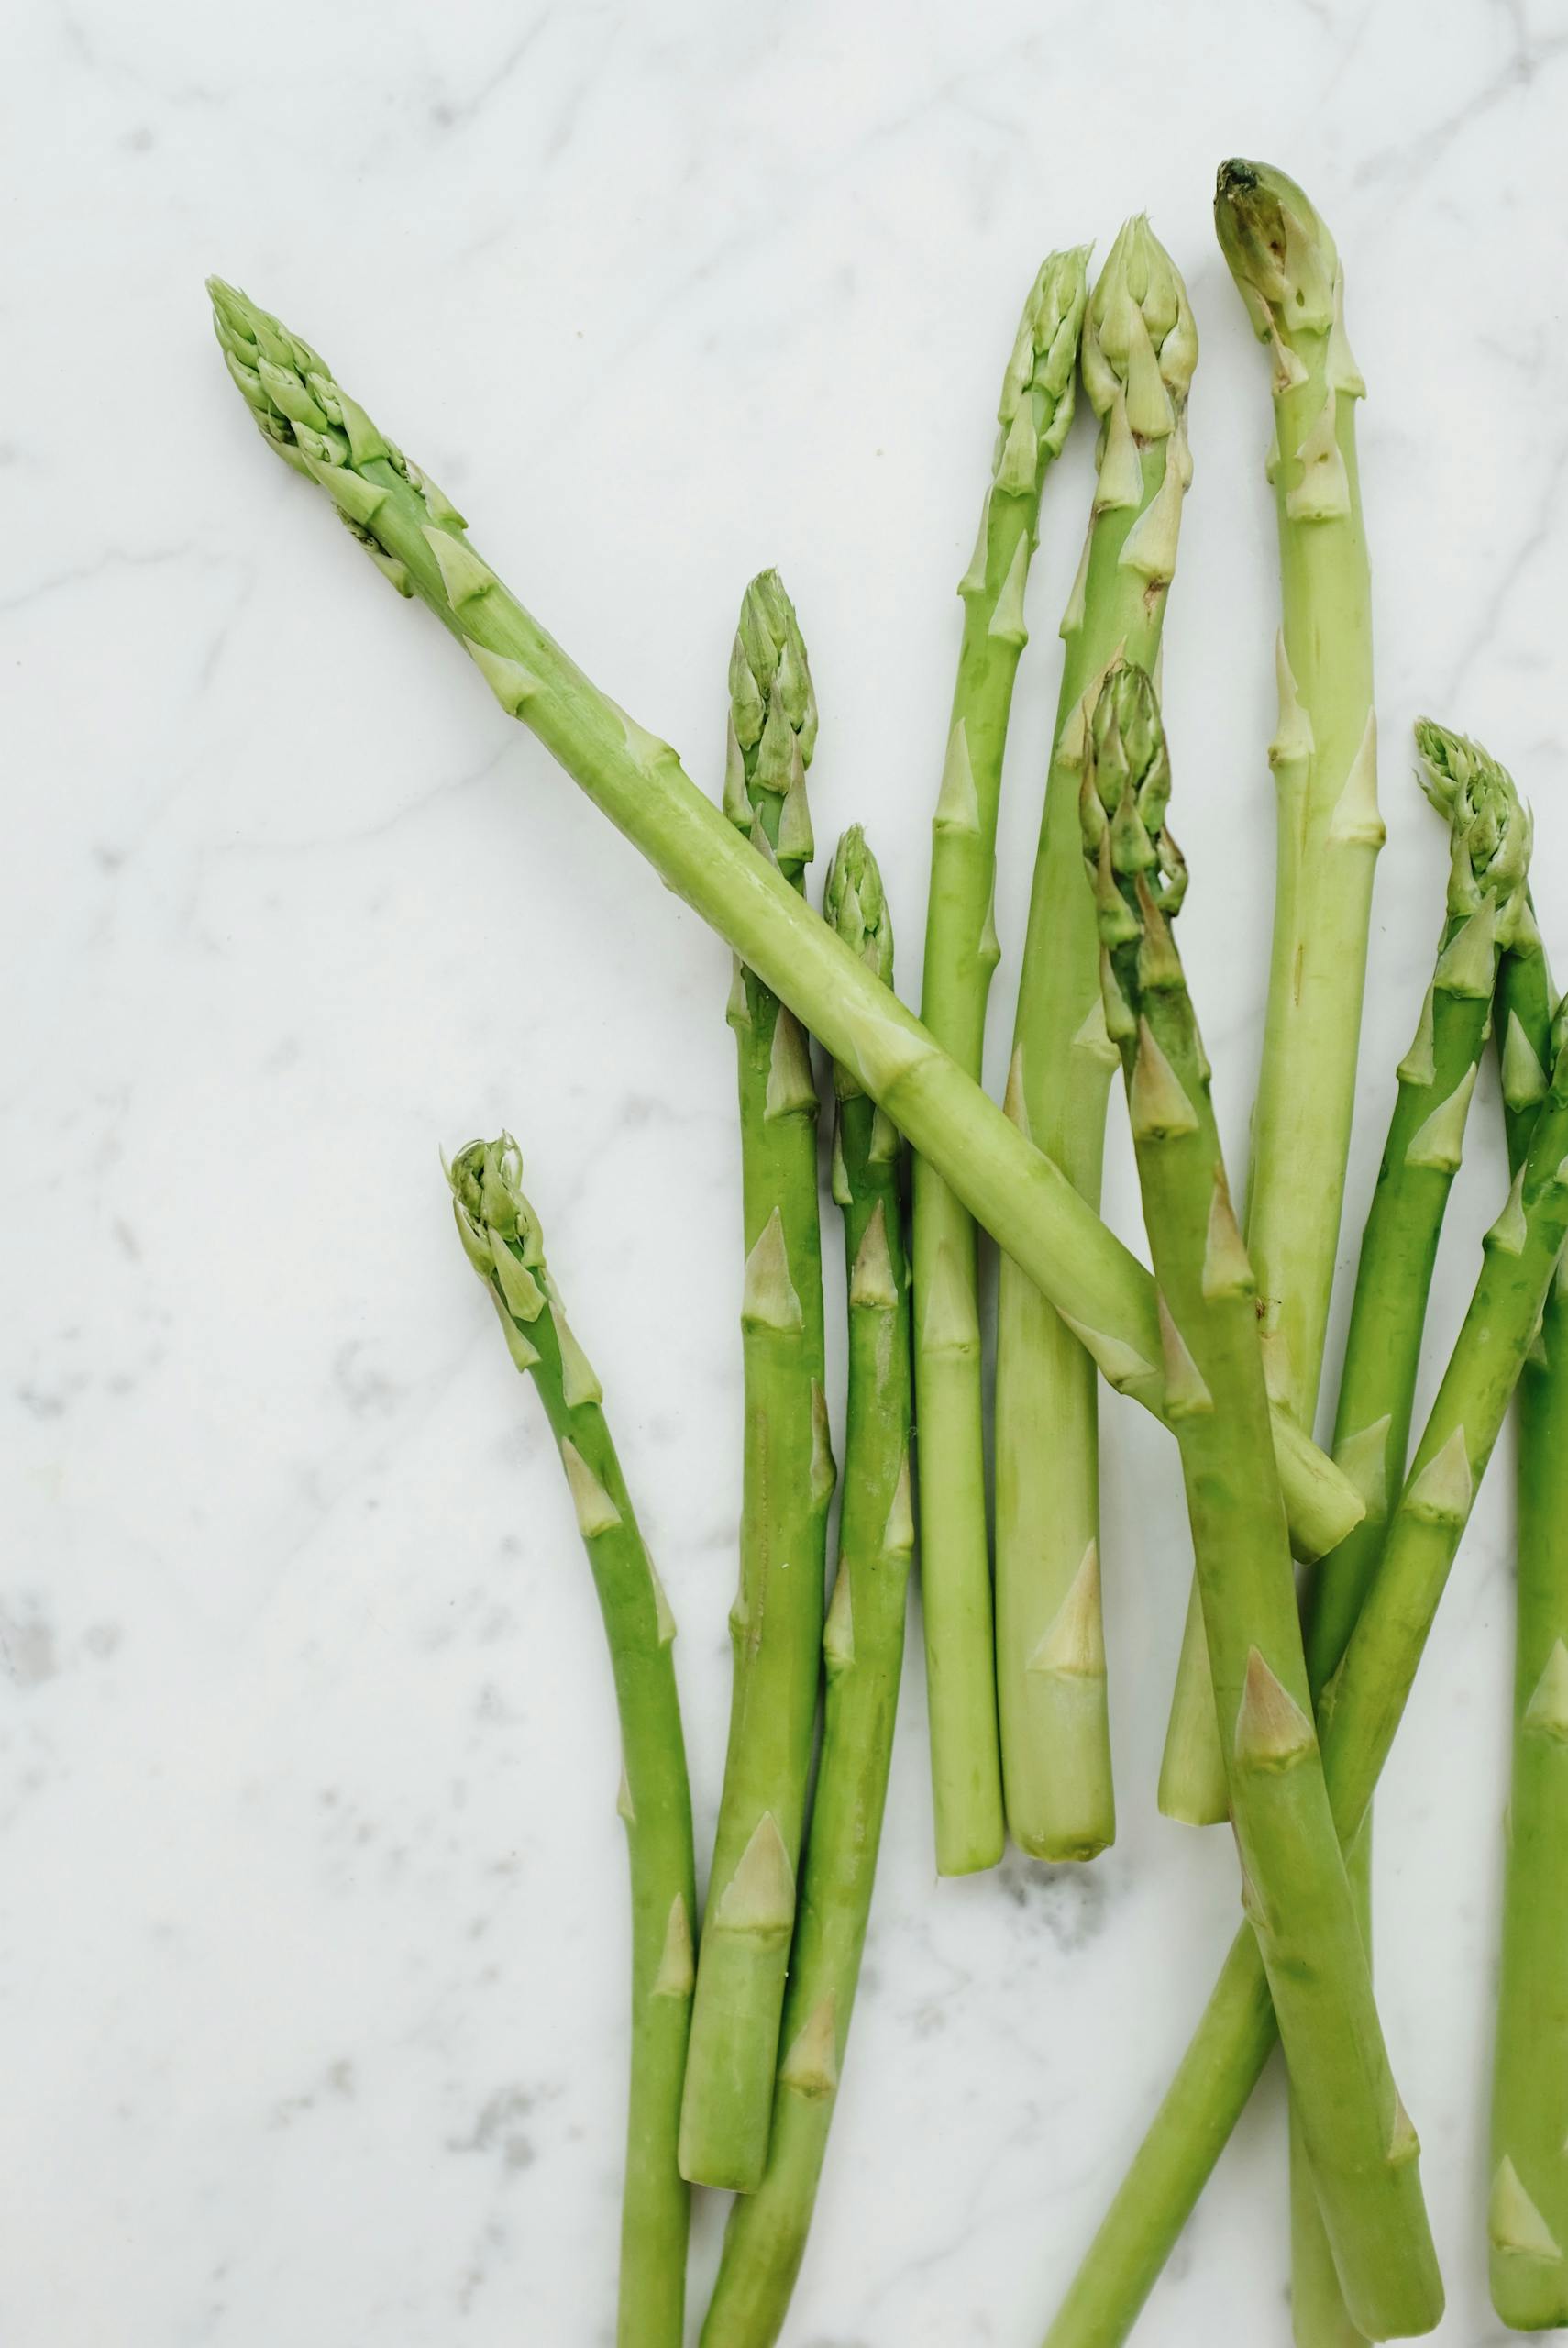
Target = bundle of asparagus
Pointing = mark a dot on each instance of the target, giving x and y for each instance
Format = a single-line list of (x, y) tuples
[(1282, 1717)]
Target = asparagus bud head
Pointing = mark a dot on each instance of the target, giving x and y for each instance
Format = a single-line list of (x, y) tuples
[(1140, 343), (773, 726), (1035, 412), (495, 1222), (1489, 828), (855, 903), (1135, 867), (1278, 251)]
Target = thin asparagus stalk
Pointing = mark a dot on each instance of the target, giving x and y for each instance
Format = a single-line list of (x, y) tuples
[(1489, 844), (1358, 1715), (961, 953), (1324, 756), (776, 1625), (862, 1650), (1296, 1893), (1140, 347), (1528, 2217), (416, 537), (502, 1240)]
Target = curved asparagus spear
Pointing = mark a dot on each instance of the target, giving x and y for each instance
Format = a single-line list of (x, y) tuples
[(1528, 2216), (961, 952), (1324, 756), (776, 1626), (1358, 1716), (501, 1237), (1139, 351), (1295, 1890), (416, 537), (864, 1653)]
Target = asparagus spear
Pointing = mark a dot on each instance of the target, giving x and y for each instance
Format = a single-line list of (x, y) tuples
[(501, 1237), (1528, 2217), (1296, 1893), (1325, 765), (863, 1649), (1140, 349), (416, 537), (961, 952), (1358, 1715), (777, 1623), (1489, 844)]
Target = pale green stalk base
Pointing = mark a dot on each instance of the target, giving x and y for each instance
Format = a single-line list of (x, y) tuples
[(1050, 1663), (1012, 1190), (961, 954), (502, 1239)]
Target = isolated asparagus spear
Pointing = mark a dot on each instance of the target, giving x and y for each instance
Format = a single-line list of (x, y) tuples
[(1324, 756), (416, 538), (863, 1649), (1358, 1715), (1138, 351), (961, 953), (1528, 2212), (776, 1625), (1296, 1893), (501, 1237)]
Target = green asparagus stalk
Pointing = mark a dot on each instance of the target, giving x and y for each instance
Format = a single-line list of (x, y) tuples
[(961, 953), (1489, 836), (1358, 1715), (501, 1237), (1296, 1893), (416, 538), (1138, 351), (1528, 2217), (1324, 757), (862, 1650), (776, 1625)]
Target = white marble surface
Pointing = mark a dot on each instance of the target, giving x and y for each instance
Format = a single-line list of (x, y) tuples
[(310, 1976)]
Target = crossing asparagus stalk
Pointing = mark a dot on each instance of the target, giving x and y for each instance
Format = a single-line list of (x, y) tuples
[(961, 953), (416, 538), (776, 1625), (1324, 756), (1296, 1893), (1528, 2213), (1358, 1715), (862, 1650), (1138, 351), (501, 1237)]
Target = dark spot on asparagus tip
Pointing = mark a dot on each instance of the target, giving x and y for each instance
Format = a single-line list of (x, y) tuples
[(1236, 177)]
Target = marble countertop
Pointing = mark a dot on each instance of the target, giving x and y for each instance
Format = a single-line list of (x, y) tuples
[(312, 1969)]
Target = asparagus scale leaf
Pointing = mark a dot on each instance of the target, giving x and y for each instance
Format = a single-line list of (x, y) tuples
[(776, 1622), (961, 953), (502, 1239), (863, 1652), (1296, 1891), (416, 537)]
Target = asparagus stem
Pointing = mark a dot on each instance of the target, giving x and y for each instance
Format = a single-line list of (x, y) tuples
[(501, 1237), (1358, 1715), (1325, 765), (1528, 2217), (1489, 850), (1296, 1891), (863, 1649), (961, 953), (1139, 351), (777, 1623), (417, 538)]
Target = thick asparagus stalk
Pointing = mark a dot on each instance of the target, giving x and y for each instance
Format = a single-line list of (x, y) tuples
[(863, 1649), (502, 1240), (1140, 349), (416, 537), (776, 1625), (1296, 1893), (961, 952), (1489, 845), (1528, 2217), (1358, 1715), (1324, 757)]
